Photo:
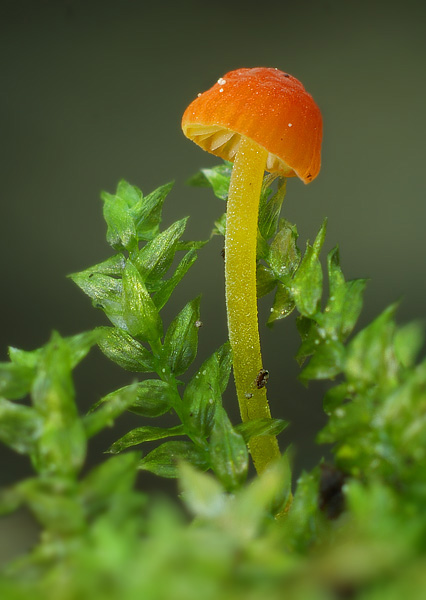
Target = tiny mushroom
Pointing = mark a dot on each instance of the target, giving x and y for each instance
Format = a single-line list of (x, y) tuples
[(259, 119)]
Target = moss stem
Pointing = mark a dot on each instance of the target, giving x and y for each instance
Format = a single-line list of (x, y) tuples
[(241, 297)]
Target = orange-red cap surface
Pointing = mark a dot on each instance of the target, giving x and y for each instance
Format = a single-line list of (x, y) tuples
[(266, 105)]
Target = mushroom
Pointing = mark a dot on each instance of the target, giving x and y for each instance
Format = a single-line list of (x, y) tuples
[(259, 119)]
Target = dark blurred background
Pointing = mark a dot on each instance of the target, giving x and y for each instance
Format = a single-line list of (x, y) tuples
[(93, 91)]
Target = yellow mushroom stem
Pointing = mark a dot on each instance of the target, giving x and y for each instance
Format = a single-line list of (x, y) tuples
[(241, 296)]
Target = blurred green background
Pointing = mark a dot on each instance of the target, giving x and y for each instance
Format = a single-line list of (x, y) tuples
[(93, 91)]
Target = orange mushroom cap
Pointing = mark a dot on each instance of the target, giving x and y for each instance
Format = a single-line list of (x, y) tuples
[(266, 105)]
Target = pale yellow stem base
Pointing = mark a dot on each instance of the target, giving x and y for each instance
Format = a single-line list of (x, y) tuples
[(241, 297)]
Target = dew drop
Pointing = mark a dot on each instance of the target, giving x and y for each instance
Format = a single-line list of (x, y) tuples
[(290, 124), (221, 81)]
